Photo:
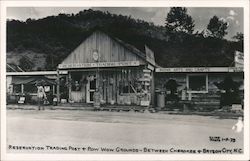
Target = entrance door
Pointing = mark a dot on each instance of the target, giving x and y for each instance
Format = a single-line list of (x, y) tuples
[(91, 87)]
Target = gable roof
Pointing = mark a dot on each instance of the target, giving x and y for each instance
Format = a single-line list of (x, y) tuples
[(132, 49), (14, 68)]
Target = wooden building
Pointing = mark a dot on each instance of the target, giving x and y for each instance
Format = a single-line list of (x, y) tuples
[(199, 84), (25, 83), (121, 73), (108, 70)]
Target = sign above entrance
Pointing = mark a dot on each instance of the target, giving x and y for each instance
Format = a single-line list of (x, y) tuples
[(99, 64), (200, 69)]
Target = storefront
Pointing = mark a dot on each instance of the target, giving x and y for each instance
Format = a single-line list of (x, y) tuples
[(119, 72), (25, 84), (203, 86)]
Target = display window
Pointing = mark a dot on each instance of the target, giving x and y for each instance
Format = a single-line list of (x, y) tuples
[(197, 83)]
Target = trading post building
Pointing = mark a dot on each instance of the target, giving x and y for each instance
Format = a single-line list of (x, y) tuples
[(118, 72), (104, 70)]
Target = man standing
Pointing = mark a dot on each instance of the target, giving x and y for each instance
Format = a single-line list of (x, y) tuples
[(41, 96)]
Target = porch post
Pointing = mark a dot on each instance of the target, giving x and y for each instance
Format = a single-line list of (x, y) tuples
[(53, 88), (58, 86), (152, 89), (22, 88), (70, 88)]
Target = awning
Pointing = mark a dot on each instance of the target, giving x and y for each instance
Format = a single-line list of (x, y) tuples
[(33, 80), (21, 80)]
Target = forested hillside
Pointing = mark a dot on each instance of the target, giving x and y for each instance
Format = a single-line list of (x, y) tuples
[(55, 37)]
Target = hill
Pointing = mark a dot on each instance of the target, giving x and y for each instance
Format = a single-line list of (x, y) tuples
[(56, 36)]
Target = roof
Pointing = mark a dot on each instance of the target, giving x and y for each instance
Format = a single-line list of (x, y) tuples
[(14, 68), (127, 46), (132, 48), (33, 80)]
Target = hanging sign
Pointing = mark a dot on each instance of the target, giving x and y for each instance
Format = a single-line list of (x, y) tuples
[(99, 64), (146, 71), (150, 57)]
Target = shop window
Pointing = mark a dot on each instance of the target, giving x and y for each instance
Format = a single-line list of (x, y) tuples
[(30, 88), (197, 83), (17, 88), (76, 81), (128, 88)]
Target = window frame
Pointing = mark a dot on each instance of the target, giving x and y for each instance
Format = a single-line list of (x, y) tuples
[(195, 91)]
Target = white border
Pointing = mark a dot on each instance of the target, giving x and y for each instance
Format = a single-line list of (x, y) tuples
[(108, 3)]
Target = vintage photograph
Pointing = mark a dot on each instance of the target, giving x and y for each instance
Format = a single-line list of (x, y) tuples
[(125, 80)]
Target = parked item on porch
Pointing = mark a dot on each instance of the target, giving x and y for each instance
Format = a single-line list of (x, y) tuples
[(21, 100), (128, 100), (55, 101), (144, 103), (63, 100), (96, 99), (47, 88), (161, 100), (112, 102), (102, 101), (46, 102), (236, 108)]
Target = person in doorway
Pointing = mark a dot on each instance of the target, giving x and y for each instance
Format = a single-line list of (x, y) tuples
[(41, 96)]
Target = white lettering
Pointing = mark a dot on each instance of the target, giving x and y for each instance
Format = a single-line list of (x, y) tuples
[(100, 64)]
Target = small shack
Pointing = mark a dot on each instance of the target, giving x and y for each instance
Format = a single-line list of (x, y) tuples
[(25, 84)]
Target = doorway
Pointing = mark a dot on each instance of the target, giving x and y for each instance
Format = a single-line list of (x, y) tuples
[(91, 87)]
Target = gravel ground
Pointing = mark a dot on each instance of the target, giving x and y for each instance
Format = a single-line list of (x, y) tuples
[(72, 129)]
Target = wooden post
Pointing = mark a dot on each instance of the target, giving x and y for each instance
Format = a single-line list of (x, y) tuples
[(70, 87), (58, 86), (152, 89), (189, 96), (22, 88), (53, 89)]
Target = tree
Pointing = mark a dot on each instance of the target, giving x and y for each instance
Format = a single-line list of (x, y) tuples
[(179, 21), (239, 37), (239, 41), (217, 27)]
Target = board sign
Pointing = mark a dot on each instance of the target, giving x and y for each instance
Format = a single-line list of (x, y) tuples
[(99, 64), (150, 67), (150, 57), (146, 71), (199, 69), (239, 59)]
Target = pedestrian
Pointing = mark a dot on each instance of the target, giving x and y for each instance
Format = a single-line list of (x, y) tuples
[(41, 96)]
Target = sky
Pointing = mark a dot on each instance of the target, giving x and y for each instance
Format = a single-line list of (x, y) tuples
[(200, 15)]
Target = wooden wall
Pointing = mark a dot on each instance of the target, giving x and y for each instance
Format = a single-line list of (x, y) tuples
[(110, 82), (212, 95), (108, 49)]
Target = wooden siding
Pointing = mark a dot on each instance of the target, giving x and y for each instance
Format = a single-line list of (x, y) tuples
[(110, 82), (108, 49)]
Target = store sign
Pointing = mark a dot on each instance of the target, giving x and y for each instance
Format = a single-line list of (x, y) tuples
[(150, 57), (200, 69), (99, 64), (239, 59)]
